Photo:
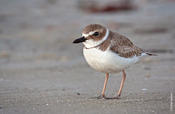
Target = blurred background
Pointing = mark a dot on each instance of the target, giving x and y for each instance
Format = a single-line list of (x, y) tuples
[(42, 72)]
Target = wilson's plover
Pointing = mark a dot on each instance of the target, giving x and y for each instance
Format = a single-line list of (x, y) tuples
[(109, 52)]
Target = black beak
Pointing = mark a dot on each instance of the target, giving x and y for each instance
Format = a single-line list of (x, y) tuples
[(79, 40)]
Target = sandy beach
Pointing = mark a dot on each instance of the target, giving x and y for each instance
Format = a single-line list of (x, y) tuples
[(43, 72)]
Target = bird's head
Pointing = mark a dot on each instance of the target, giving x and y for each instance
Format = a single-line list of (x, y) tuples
[(93, 35)]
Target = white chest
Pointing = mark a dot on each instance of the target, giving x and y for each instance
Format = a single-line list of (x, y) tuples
[(107, 61)]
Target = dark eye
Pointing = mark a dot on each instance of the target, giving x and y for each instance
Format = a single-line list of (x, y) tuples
[(96, 34)]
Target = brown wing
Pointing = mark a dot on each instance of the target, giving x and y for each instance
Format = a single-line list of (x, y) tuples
[(123, 46)]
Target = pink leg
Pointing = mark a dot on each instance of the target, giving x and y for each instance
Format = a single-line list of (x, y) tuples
[(105, 83), (122, 83)]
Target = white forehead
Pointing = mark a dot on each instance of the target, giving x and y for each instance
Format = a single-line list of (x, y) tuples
[(88, 34)]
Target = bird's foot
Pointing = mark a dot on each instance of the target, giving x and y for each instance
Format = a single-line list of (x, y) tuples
[(101, 97)]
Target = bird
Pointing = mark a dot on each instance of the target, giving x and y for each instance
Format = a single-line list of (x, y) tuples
[(109, 52)]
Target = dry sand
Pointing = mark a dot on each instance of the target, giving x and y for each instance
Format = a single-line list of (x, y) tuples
[(42, 72)]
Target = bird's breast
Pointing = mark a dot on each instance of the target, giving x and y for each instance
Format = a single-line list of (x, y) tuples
[(96, 59)]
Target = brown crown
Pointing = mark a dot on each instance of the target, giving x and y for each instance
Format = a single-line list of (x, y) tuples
[(92, 27), (95, 28)]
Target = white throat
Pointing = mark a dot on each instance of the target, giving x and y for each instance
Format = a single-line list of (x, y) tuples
[(91, 43)]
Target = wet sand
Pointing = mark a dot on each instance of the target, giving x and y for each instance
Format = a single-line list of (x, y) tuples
[(42, 72)]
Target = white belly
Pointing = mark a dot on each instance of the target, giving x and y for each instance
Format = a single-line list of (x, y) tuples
[(107, 61)]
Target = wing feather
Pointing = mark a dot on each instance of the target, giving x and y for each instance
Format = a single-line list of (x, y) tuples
[(124, 47)]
